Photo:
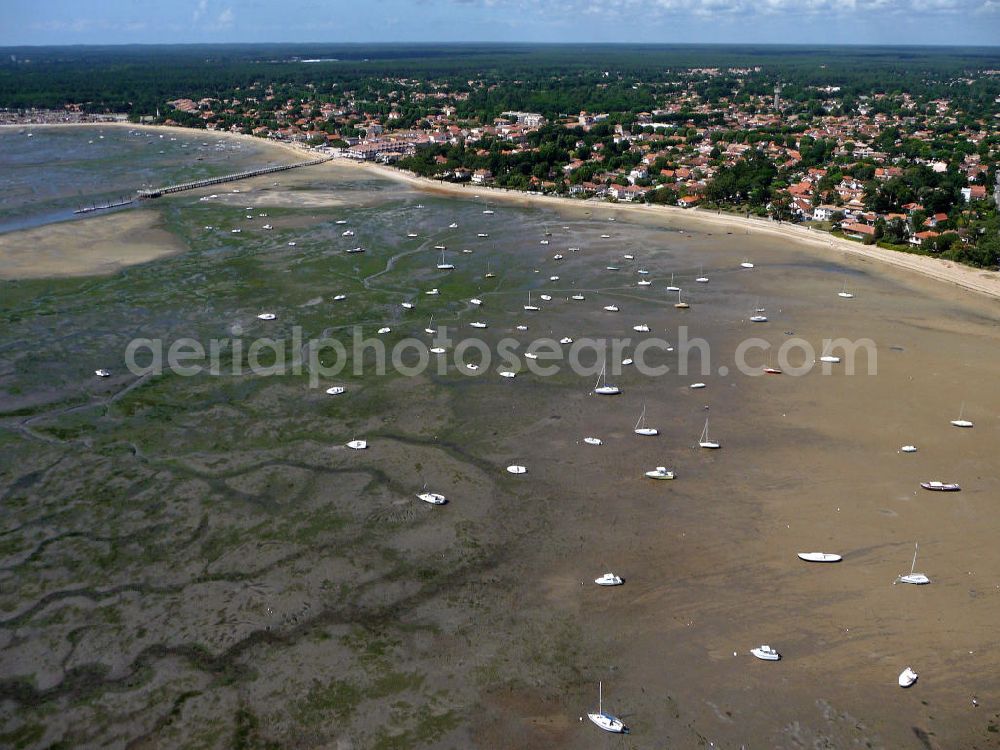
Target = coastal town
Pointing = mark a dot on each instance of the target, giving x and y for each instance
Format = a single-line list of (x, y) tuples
[(909, 171), (890, 168)]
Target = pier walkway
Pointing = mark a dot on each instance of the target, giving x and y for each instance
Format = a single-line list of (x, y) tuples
[(157, 192)]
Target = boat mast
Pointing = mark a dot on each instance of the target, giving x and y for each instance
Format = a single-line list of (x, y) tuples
[(913, 565)]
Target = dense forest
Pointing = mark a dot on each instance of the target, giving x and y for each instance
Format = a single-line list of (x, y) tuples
[(548, 78)]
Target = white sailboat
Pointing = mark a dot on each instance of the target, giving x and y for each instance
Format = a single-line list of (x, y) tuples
[(961, 421), (604, 721), (702, 278), (530, 307), (640, 425), (918, 579), (357, 445), (430, 329), (443, 266), (704, 441), (434, 498), (680, 304), (758, 315), (601, 388), (844, 294), (672, 287)]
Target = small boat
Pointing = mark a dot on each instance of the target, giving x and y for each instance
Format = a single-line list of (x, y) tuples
[(641, 328), (758, 316), (845, 295), (702, 278), (772, 371), (353, 250), (453, 225), (642, 272), (660, 472), (605, 236), (430, 329), (507, 374), (565, 340), (466, 251), (440, 247), (609, 579), (357, 445), (437, 350), (820, 557), (627, 361), (102, 373), (578, 297), (522, 328), (918, 579), (672, 287), (611, 268), (411, 235), (341, 221), (482, 234), (936, 486), (907, 677), (704, 440), (478, 324), (384, 330), (604, 721), (644, 282), (611, 308), (407, 305), (961, 421), (557, 256), (475, 301), (530, 307), (908, 449), (291, 244), (641, 428), (348, 233), (432, 292), (339, 297), (593, 441), (434, 498), (765, 653), (681, 305), (488, 212), (266, 316), (516, 469), (829, 358), (696, 386), (267, 226), (235, 231), (553, 278), (546, 297), (530, 355), (602, 388), (543, 242), (746, 264), (335, 390)]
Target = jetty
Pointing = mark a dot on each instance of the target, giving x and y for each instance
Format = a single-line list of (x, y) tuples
[(148, 193)]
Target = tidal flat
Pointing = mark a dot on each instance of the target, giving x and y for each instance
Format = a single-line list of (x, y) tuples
[(199, 562)]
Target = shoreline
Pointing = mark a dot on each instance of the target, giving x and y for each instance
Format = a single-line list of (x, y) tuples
[(977, 280), (981, 281)]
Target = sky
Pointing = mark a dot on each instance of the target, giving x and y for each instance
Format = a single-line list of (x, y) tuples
[(952, 22)]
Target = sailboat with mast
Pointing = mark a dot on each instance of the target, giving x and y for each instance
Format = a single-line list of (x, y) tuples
[(962, 421), (530, 307), (601, 388), (604, 721), (443, 265), (641, 428), (918, 579), (705, 441)]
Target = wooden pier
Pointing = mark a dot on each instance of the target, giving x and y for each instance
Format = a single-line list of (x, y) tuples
[(157, 192)]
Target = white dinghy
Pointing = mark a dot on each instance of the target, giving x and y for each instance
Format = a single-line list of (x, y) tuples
[(335, 390), (820, 557), (907, 677), (266, 316), (517, 469), (357, 445)]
